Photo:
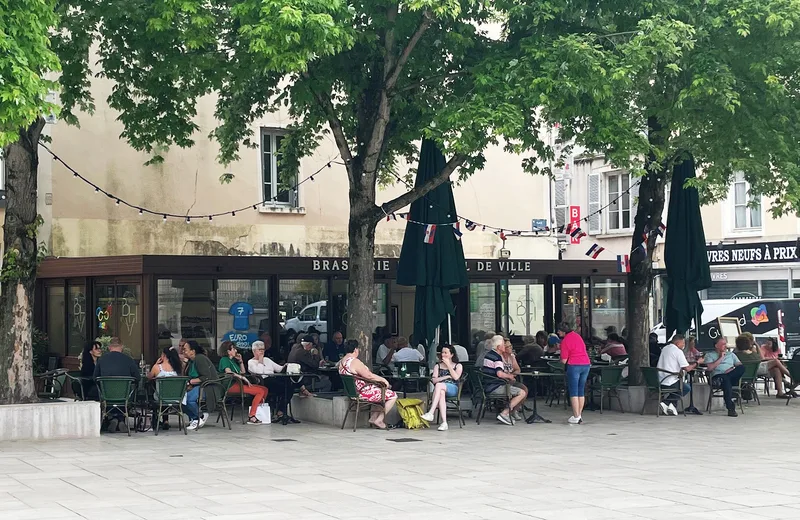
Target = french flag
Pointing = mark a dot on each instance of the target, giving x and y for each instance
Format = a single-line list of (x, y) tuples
[(595, 251), (391, 216), (457, 230), (662, 229), (471, 225), (623, 264), (430, 231), (577, 232)]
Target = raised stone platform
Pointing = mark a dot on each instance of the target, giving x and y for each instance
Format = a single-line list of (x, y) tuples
[(50, 420), (331, 410)]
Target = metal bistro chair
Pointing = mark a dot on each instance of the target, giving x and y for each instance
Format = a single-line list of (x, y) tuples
[(652, 380), (749, 379), (242, 399), (559, 384), (76, 384), (794, 372), (453, 404), (115, 394), (477, 380), (170, 392), (609, 383), (224, 383), (715, 390), (50, 384), (356, 402)]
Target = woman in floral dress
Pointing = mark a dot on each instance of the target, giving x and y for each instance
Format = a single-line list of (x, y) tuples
[(371, 387)]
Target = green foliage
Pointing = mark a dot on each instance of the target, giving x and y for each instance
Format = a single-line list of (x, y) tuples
[(40, 348), (25, 61)]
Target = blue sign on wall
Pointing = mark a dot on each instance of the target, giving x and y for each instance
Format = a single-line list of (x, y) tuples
[(538, 224)]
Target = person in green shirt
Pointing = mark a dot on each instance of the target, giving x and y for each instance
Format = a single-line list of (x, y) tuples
[(233, 365)]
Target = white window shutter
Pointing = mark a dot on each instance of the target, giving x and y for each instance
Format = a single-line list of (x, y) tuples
[(594, 204), (560, 202), (634, 184)]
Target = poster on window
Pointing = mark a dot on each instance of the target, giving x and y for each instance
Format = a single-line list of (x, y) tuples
[(575, 220)]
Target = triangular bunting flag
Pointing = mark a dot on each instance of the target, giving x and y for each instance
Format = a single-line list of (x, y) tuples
[(623, 264), (662, 229), (457, 230), (471, 225), (391, 216), (595, 250), (430, 231)]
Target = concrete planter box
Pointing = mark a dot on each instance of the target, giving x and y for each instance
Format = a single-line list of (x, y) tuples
[(50, 420), (331, 411)]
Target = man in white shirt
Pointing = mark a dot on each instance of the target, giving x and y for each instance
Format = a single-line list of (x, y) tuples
[(406, 353), (385, 352), (671, 365)]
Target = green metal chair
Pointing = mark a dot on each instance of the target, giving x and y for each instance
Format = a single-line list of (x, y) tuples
[(609, 382), (559, 384), (115, 394), (356, 402), (453, 404), (477, 380), (50, 384), (715, 390), (749, 379), (794, 372), (76, 385), (223, 384), (652, 380), (169, 395)]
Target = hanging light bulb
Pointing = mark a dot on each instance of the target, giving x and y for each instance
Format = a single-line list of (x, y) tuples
[(141, 211), (233, 213), (188, 220), (117, 202), (210, 217), (165, 218)]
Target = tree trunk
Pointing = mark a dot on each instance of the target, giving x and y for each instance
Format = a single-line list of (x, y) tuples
[(649, 210), (361, 287), (20, 258)]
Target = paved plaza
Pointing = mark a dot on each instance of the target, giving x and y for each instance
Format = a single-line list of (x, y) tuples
[(615, 466)]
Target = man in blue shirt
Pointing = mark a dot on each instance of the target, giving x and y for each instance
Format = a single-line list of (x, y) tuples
[(726, 369)]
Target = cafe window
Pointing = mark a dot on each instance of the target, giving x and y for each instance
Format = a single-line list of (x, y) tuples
[(523, 307), (302, 307), (482, 310), (337, 309), (55, 327), (608, 305), (76, 319), (279, 186), (242, 311), (185, 310), (117, 313)]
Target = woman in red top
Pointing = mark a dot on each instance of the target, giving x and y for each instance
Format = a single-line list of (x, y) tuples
[(574, 356)]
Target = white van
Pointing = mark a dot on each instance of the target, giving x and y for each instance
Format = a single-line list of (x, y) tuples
[(312, 315)]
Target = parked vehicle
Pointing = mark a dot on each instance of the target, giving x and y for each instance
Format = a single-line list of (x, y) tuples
[(312, 315)]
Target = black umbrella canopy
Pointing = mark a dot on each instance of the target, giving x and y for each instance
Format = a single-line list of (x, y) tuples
[(436, 267), (684, 252)]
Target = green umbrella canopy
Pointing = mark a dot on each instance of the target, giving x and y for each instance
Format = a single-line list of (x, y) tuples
[(437, 267), (684, 252)]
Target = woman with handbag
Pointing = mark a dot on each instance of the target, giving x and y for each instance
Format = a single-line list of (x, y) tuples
[(264, 367), (233, 365), (371, 387), (446, 374)]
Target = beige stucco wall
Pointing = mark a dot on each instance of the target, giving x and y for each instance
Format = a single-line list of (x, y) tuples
[(88, 224)]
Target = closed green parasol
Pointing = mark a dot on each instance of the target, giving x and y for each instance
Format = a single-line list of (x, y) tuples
[(432, 258), (684, 252)]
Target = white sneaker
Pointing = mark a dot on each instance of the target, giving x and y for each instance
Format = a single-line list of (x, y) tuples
[(443, 427), (516, 416), (193, 425), (203, 420), (664, 408), (574, 420), (428, 416), (672, 410), (505, 419)]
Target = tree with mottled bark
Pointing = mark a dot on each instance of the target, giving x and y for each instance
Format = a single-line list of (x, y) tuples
[(25, 61)]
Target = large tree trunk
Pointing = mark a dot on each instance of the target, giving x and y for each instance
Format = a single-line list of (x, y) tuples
[(20, 254), (648, 216), (361, 289)]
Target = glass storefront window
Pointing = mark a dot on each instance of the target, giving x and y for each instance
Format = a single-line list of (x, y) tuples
[(55, 319), (185, 310), (76, 317), (482, 310), (338, 307), (572, 308), (608, 305), (523, 307), (105, 317), (243, 314), (302, 306), (129, 323)]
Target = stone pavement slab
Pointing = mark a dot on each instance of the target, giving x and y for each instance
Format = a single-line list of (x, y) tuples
[(614, 466)]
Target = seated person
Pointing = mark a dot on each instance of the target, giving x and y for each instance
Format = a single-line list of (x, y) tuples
[(533, 351), (305, 355), (264, 367), (334, 350), (385, 352), (168, 365), (371, 387), (233, 365), (446, 374), (199, 369), (726, 369), (614, 346), (672, 359), (406, 352), (91, 354), (115, 363), (499, 362), (553, 345), (774, 366)]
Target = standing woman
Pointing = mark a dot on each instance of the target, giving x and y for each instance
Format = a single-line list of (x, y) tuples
[(233, 365), (446, 374), (370, 386), (575, 358), (88, 359)]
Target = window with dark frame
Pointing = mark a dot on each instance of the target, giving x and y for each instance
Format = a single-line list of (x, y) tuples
[(278, 188)]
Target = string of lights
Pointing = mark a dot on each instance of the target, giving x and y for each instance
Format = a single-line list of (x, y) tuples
[(165, 215)]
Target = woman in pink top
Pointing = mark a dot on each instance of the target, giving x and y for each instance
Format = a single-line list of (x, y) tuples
[(773, 366), (574, 356)]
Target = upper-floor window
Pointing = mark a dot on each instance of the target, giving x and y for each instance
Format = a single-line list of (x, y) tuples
[(746, 207), (619, 201), (278, 187)]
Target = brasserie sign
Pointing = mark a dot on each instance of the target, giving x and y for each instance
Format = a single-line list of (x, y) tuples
[(390, 264), (755, 253)]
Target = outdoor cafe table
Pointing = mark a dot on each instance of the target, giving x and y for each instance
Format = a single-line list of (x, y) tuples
[(536, 374), (288, 391), (412, 377)]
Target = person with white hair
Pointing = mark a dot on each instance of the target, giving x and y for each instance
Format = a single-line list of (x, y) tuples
[(482, 348), (264, 367), (500, 364)]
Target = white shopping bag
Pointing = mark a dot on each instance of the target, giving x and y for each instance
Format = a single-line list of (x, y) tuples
[(264, 414)]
